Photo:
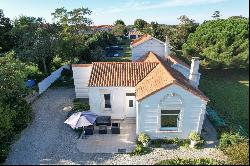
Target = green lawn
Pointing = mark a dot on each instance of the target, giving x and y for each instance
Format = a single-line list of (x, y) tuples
[(126, 53), (228, 92)]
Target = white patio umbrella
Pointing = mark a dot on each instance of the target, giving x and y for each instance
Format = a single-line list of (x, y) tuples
[(82, 122), (76, 120)]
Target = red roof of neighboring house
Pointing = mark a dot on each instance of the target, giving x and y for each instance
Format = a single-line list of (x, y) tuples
[(140, 40), (102, 26), (135, 33)]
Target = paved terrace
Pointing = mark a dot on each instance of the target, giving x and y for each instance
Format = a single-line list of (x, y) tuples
[(110, 143)]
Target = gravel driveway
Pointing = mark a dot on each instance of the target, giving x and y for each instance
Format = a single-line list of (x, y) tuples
[(49, 141)]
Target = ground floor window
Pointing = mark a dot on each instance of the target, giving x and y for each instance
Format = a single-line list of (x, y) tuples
[(170, 119), (107, 101)]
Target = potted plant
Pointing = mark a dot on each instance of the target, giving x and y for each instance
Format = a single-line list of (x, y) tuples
[(144, 139), (195, 139)]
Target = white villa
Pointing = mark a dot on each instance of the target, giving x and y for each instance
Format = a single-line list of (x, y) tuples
[(159, 91)]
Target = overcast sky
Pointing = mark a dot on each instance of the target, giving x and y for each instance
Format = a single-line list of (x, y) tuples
[(107, 11)]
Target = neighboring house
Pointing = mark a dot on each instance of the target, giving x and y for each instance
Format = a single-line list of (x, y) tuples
[(107, 28), (163, 101), (147, 43), (134, 34)]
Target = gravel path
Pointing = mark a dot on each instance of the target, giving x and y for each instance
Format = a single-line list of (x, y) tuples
[(49, 141)]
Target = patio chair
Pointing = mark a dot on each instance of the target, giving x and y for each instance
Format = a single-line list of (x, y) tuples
[(103, 120), (102, 129), (115, 128), (89, 130)]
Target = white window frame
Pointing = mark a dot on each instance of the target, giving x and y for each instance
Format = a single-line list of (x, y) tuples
[(102, 93), (170, 128)]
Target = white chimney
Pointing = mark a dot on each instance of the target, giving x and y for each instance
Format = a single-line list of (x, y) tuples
[(194, 76), (167, 47)]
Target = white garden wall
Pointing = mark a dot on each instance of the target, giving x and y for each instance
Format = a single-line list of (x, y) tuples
[(45, 84)]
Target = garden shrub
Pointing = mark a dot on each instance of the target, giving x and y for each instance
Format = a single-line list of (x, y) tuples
[(34, 73), (143, 138), (238, 154), (194, 136), (235, 147), (81, 106), (228, 139), (180, 142), (139, 150), (200, 161)]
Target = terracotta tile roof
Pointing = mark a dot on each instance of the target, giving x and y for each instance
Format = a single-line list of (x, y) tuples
[(162, 76), (140, 40), (149, 76), (171, 59), (119, 73)]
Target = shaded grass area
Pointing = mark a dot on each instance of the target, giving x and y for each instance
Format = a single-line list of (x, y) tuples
[(126, 53), (67, 82), (228, 91)]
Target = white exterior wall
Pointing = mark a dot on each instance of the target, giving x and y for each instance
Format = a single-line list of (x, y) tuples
[(191, 116), (81, 77), (150, 45), (118, 100)]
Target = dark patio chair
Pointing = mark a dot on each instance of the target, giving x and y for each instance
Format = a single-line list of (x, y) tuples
[(102, 129), (115, 128), (103, 120), (89, 130)]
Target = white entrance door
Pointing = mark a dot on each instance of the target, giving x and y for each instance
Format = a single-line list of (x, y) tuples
[(130, 104)]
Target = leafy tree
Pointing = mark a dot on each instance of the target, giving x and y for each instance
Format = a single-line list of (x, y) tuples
[(15, 113), (117, 22), (72, 21), (183, 30), (237, 17), (12, 76), (221, 43), (119, 30), (140, 24), (35, 41), (6, 40), (216, 14)]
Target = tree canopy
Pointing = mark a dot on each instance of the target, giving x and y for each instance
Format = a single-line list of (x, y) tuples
[(6, 40), (121, 22), (140, 24), (220, 43), (74, 20)]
